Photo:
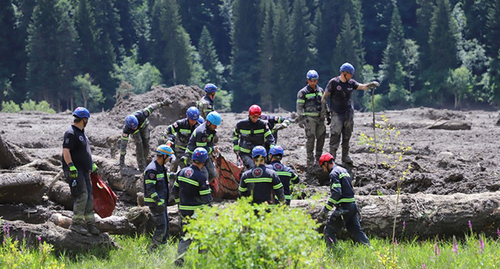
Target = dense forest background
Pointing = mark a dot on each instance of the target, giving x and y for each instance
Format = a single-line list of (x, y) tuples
[(437, 53)]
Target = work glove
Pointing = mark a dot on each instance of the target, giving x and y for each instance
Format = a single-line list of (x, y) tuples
[(165, 102), (323, 215), (373, 84), (279, 126), (94, 168), (158, 208), (184, 160), (73, 172), (328, 120)]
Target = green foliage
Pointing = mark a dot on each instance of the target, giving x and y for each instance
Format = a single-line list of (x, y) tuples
[(139, 77), (237, 237), (30, 105), (223, 100), (91, 95), (379, 100), (209, 59), (460, 82), (10, 107)]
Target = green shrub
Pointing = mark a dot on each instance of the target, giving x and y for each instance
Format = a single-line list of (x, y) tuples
[(29, 105), (236, 237), (43, 106), (223, 100), (10, 107)]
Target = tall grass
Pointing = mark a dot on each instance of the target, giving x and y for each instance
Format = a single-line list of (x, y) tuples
[(474, 251)]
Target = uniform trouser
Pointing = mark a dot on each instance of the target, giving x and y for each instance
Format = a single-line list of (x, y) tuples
[(315, 132), (179, 153), (141, 140), (184, 243), (342, 124), (247, 160), (209, 169), (351, 223), (81, 190), (160, 220)]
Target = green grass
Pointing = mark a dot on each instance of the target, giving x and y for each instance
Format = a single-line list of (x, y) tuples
[(133, 253)]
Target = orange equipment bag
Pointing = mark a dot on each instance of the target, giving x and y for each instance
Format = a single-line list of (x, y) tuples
[(225, 184), (104, 197)]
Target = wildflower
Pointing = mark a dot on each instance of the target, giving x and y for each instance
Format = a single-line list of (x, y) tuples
[(481, 244), (455, 246), (330, 239), (395, 241), (404, 225), (470, 225), (40, 242), (423, 266), (498, 232), (437, 251)]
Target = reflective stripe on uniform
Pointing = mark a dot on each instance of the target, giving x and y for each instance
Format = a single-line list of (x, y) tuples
[(278, 186), (283, 173), (259, 180), (336, 185), (189, 181), (189, 207), (241, 189), (343, 200), (205, 192)]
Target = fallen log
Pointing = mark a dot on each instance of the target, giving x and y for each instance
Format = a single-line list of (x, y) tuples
[(451, 125), (11, 155), (25, 188), (423, 215), (62, 239)]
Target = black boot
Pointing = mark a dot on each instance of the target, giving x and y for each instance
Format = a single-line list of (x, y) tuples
[(77, 226)]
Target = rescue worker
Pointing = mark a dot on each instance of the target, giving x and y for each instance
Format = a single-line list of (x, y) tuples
[(342, 198), (136, 125), (340, 89), (312, 114), (156, 193), (77, 164), (261, 183), (191, 191), (286, 174), (206, 104), (249, 133), (177, 135), (205, 136), (275, 123)]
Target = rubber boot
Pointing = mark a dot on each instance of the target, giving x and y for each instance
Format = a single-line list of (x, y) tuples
[(77, 226), (345, 157), (92, 228)]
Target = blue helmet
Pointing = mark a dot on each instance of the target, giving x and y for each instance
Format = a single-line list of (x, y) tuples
[(193, 113), (259, 151), (210, 88), (312, 75), (81, 112), (214, 118), (276, 150), (164, 150), (131, 122), (201, 120), (347, 67), (200, 155)]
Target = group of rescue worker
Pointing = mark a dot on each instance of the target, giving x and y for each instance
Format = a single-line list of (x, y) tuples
[(189, 145)]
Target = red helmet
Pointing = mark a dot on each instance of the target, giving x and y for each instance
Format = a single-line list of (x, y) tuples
[(326, 157), (254, 110)]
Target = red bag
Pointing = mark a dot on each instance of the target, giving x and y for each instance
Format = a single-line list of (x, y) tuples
[(104, 197), (225, 184)]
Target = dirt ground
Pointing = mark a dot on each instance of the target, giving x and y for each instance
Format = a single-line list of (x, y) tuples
[(442, 161)]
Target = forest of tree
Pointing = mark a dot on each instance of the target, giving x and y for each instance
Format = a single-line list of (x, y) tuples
[(437, 53)]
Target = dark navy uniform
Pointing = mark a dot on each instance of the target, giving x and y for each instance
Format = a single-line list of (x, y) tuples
[(287, 176), (81, 188), (191, 191), (260, 183), (271, 123), (178, 134), (342, 197), (206, 138), (205, 106), (141, 136), (342, 114), (312, 115), (247, 135), (155, 196)]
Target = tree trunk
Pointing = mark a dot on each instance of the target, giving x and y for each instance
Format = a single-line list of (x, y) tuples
[(424, 215)]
